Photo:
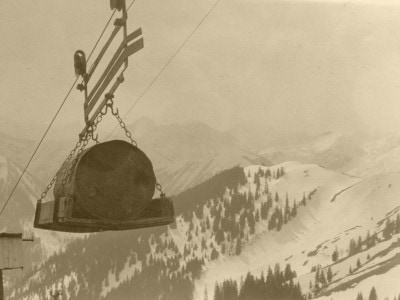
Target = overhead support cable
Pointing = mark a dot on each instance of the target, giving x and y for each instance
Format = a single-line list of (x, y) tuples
[(52, 121), (167, 63)]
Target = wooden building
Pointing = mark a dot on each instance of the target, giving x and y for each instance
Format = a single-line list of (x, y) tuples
[(11, 251), (10, 255)]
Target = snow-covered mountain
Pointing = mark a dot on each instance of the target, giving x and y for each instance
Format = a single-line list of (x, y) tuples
[(23, 202), (382, 155), (331, 150), (340, 209), (186, 155), (314, 220), (360, 154)]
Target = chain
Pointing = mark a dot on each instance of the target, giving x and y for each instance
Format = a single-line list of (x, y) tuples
[(48, 188), (84, 140), (115, 113), (67, 172), (160, 189), (78, 149)]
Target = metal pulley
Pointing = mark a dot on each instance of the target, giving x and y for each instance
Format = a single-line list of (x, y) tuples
[(117, 4), (80, 63)]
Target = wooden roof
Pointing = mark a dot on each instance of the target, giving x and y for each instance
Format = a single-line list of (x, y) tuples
[(11, 251)]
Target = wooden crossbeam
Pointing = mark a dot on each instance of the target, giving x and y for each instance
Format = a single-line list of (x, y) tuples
[(110, 72)]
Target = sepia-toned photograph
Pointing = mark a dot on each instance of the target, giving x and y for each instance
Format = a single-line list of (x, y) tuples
[(200, 150)]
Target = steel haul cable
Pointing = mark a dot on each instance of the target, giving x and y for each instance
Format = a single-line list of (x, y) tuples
[(130, 5)]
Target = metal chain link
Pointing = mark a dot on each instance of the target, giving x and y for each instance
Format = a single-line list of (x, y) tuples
[(48, 187), (68, 171), (160, 189), (122, 124), (115, 113), (83, 142)]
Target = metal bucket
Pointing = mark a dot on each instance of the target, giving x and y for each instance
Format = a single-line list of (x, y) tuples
[(111, 181)]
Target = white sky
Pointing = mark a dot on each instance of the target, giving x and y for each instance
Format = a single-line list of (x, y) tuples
[(280, 65)]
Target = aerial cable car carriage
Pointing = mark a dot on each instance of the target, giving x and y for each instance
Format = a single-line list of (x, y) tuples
[(109, 186)]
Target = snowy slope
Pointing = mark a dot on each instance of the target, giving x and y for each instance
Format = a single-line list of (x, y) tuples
[(372, 202), (382, 155), (267, 248), (332, 209), (186, 155), (342, 208), (23, 202)]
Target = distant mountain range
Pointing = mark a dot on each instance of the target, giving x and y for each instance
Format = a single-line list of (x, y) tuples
[(331, 150), (186, 155)]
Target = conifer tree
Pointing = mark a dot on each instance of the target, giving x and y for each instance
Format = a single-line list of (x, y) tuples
[(286, 216), (288, 273), (257, 216), (317, 276), (203, 227), (264, 211), (368, 240), (322, 278), (252, 222), (316, 285), (214, 254), (272, 222), (207, 223), (397, 226), (359, 244), (219, 236), (388, 230), (282, 171), (329, 275), (294, 209), (372, 294), (278, 173), (238, 247), (352, 247), (223, 248), (269, 201), (217, 292), (280, 220)]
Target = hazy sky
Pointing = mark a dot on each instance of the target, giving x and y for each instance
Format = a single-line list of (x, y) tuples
[(283, 65)]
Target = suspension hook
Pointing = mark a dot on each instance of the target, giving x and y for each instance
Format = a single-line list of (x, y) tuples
[(160, 189)]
